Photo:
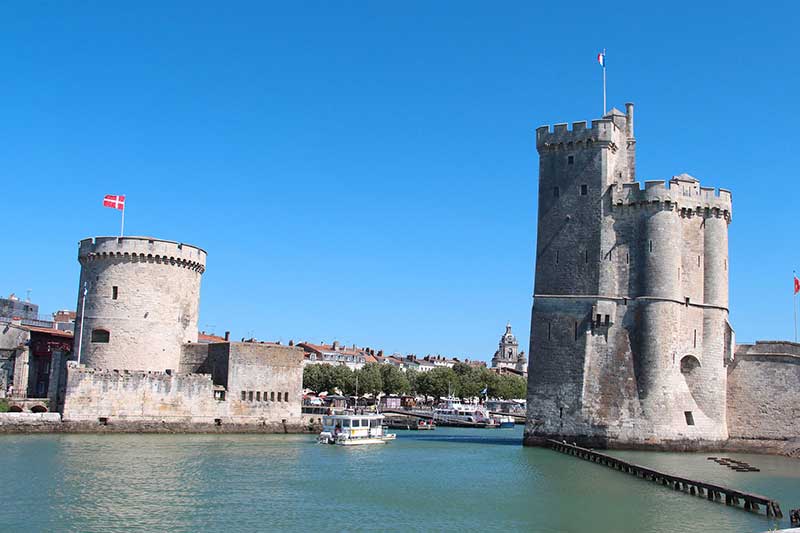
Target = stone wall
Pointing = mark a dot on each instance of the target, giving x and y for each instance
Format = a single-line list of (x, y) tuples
[(262, 385), (763, 391), (629, 331), (143, 295)]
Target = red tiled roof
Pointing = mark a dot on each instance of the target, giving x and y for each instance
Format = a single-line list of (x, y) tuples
[(48, 331), (205, 337)]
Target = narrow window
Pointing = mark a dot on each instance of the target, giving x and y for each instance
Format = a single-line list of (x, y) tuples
[(258, 396), (627, 258), (599, 319), (555, 192), (272, 396), (695, 338), (586, 256), (698, 261), (570, 159), (726, 265), (608, 320), (100, 336), (286, 396), (576, 330), (556, 256), (679, 273), (114, 292), (584, 190), (651, 246), (279, 396), (250, 396), (265, 396), (244, 395), (687, 301), (689, 418), (549, 328)]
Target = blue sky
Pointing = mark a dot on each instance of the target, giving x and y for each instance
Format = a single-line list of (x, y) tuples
[(366, 171)]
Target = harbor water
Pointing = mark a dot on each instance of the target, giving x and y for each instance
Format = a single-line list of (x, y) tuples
[(443, 480)]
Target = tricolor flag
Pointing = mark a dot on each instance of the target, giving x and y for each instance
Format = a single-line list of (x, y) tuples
[(114, 201), (796, 285), (601, 58)]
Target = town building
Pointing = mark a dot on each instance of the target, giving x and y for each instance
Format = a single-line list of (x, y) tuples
[(334, 354), (508, 355)]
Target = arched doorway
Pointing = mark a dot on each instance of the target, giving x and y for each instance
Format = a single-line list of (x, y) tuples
[(38, 409)]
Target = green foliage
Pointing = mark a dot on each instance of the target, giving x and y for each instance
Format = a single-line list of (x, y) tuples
[(370, 379), (439, 382), (4, 405), (342, 379), (315, 377), (508, 387), (395, 381)]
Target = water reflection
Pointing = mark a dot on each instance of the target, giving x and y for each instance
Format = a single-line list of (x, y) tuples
[(446, 480)]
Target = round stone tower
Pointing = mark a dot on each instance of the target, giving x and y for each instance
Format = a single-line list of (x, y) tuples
[(138, 302)]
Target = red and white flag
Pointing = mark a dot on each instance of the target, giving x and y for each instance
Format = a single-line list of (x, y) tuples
[(114, 201), (796, 285)]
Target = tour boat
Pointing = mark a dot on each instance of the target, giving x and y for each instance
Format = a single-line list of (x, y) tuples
[(451, 412), (352, 430)]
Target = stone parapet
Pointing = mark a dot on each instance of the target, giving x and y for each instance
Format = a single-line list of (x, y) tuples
[(143, 249), (700, 201)]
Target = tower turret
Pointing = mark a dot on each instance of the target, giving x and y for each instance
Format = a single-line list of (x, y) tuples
[(141, 304)]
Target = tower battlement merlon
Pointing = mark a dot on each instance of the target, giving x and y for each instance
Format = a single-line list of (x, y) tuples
[(143, 249), (614, 124), (681, 192)]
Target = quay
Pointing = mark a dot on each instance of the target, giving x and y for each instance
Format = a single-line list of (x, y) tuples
[(714, 493)]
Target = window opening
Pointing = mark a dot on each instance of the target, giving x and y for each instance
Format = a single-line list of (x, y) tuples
[(101, 336), (584, 190), (689, 418), (570, 159), (114, 292), (555, 192)]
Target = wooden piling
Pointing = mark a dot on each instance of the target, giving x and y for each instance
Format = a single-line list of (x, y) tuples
[(734, 498)]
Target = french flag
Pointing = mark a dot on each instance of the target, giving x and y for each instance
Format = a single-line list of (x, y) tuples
[(601, 58)]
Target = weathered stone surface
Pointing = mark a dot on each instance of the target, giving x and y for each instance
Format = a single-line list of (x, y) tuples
[(764, 392), (629, 328), (145, 293)]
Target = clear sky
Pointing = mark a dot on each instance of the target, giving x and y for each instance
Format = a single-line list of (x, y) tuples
[(366, 171)]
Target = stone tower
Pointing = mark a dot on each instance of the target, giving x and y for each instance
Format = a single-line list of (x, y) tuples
[(508, 354), (142, 302), (629, 329)]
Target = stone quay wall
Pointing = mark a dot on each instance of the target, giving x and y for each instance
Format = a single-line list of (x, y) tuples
[(142, 302), (764, 391)]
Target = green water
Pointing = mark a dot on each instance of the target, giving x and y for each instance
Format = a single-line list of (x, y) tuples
[(445, 480)]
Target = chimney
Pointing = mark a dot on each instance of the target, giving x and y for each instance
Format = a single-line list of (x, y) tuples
[(629, 116), (227, 336), (335, 345)]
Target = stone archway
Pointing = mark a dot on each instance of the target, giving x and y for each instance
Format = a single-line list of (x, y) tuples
[(15, 409), (38, 409)]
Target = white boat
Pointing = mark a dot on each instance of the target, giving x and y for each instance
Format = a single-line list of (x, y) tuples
[(451, 412), (352, 430)]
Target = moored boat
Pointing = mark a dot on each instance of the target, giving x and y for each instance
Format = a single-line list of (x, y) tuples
[(352, 430), (451, 412)]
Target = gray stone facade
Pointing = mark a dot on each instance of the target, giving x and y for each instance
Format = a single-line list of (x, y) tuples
[(629, 328)]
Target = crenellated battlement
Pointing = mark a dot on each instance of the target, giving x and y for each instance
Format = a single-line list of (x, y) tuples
[(560, 136), (141, 250), (681, 193)]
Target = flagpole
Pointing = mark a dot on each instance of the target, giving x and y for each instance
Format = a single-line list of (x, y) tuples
[(794, 303), (122, 227), (604, 82)]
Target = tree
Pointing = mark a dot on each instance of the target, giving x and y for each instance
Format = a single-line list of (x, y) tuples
[(394, 380), (440, 381), (370, 380), (314, 377), (413, 381), (341, 378)]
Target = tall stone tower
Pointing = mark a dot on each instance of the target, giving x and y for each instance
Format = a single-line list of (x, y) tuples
[(142, 302), (508, 354), (629, 329)]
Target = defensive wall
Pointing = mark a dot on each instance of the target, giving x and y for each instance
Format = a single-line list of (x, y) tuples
[(141, 304), (262, 388), (764, 391)]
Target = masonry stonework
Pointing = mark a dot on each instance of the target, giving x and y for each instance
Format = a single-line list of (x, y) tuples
[(629, 328), (141, 304)]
